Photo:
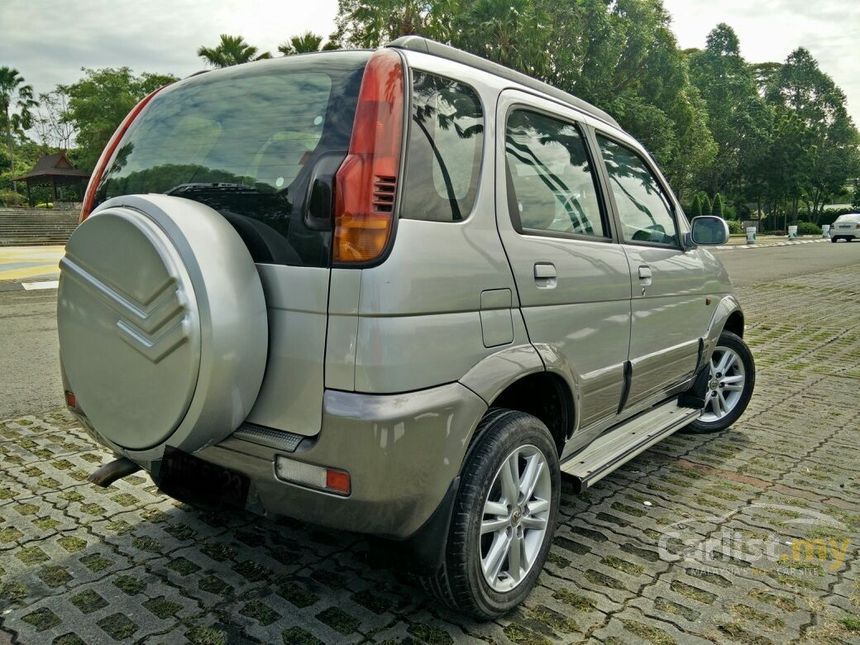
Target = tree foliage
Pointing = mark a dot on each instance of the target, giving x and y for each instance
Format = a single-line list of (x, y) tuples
[(98, 103), (696, 207), (231, 50), (305, 43), (16, 104), (717, 206)]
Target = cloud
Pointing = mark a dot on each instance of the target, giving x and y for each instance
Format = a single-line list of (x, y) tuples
[(48, 41)]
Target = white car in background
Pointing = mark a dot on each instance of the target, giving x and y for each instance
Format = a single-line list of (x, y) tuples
[(846, 227)]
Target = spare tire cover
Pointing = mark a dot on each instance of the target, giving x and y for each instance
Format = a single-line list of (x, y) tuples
[(162, 324)]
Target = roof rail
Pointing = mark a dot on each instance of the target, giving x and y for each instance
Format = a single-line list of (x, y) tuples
[(427, 46)]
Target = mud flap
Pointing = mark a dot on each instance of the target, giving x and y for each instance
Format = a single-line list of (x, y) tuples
[(695, 396)]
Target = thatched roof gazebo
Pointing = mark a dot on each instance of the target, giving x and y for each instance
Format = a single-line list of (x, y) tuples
[(53, 170)]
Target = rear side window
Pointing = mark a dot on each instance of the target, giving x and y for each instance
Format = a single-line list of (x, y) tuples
[(551, 185), (246, 141), (643, 207), (443, 158)]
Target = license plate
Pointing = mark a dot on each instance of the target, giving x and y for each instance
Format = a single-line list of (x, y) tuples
[(188, 478)]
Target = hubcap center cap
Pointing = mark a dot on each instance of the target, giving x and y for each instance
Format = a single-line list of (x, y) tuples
[(516, 516)]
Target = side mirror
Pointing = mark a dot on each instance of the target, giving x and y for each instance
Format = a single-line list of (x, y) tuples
[(709, 230)]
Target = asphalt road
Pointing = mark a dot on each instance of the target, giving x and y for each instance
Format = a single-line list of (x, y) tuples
[(29, 364), (751, 266), (29, 368)]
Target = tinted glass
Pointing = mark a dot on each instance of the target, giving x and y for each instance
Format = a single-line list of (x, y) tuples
[(245, 141), (643, 207), (550, 184), (443, 162)]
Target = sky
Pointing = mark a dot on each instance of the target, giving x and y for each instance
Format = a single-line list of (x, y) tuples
[(48, 41)]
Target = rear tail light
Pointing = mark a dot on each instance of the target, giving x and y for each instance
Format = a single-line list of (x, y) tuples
[(366, 183), (857, 225), (107, 154)]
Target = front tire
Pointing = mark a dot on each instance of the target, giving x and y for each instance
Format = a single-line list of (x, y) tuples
[(731, 385), (503, 519)]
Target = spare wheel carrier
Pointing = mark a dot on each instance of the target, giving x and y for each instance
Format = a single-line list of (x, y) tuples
[(162, 324)]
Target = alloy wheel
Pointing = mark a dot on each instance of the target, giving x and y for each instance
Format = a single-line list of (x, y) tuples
[(726, 384), (515, 518)]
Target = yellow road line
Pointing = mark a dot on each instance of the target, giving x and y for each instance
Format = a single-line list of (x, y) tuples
[(30, 272), (41, 261)]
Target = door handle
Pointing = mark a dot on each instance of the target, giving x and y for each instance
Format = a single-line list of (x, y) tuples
[(644, 277), (545, 275)]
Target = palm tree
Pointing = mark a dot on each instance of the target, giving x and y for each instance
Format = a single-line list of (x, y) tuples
[(232, 50), (307, 42), (14, 93)]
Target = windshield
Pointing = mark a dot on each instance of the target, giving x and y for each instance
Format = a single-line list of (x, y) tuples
[(245, 140)]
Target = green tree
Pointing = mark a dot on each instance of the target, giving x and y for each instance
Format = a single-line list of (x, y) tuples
[(305, 43), (830, 155), (98, 103), (717, 206), (737, 118), (696, 207), (231, 50), (707, 208), (16, 109), (16, 103)]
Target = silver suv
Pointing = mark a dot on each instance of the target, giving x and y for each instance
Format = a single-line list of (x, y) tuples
[(397, 292)]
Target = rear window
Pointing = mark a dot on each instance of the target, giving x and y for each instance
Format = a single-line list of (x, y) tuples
[(443, 158), (246, 141)]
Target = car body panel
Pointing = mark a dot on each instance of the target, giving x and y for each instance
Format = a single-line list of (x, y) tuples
[(291, 396), (402, 451)]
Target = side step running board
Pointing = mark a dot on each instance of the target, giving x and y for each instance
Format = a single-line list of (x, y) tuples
[(620, 444)]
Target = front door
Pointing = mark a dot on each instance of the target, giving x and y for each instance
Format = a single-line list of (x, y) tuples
[(670, 311), (572, 279)]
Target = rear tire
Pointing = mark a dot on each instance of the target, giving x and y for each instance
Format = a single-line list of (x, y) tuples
[(732, 365), (474, 577)]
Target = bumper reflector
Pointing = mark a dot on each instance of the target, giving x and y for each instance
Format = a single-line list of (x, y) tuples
[(71, 400), (330, 480)]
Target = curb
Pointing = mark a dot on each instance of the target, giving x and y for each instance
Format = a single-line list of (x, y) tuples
[(732, 247)]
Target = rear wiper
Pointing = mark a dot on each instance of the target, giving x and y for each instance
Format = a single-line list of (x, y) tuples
[(214, 186)]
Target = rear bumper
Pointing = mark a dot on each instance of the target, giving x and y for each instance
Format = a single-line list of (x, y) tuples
[(402, 451)]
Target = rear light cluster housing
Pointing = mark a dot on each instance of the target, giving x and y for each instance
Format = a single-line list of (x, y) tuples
[(366, 183)]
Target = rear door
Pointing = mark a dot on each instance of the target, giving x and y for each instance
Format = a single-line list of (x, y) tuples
[(573, 281), (249, 142), (670, 311)]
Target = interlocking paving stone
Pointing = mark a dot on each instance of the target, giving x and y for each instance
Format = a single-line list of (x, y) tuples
[(665, 550)]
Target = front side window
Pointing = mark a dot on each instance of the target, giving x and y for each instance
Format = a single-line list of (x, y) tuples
[(643, 207), (443, 157), (551, 186)]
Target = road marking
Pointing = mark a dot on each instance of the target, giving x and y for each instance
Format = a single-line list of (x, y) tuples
[(765, 245), (47, 284)]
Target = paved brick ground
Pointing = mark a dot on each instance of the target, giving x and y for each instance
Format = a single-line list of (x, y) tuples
[(81, 564)]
